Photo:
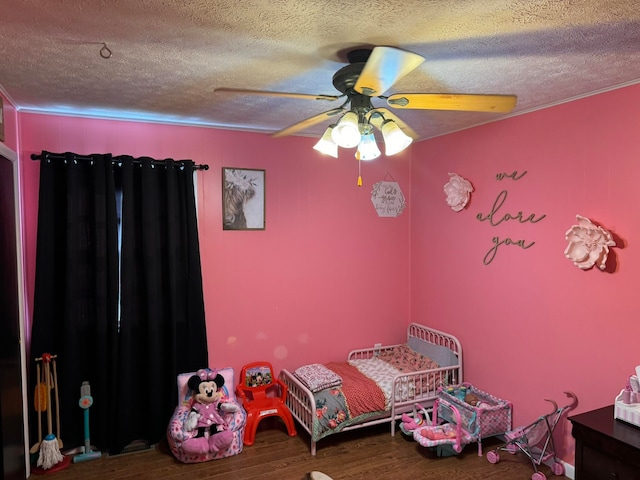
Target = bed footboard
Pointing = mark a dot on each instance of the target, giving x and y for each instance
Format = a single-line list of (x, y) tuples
[(301, 403)]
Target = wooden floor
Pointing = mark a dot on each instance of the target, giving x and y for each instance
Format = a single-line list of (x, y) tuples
[(369, 453)]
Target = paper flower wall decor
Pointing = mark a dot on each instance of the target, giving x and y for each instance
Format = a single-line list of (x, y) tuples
[(458, 191), (588, 244)]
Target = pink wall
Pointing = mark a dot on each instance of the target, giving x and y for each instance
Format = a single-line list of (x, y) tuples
[(531, 323), (326, 276)]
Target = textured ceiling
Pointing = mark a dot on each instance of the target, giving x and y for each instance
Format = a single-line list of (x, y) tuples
[(168, 56)]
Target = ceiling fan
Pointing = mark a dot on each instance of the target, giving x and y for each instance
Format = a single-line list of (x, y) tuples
[(369, 74)]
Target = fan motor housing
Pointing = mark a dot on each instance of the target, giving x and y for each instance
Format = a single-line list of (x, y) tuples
[(345, 78)]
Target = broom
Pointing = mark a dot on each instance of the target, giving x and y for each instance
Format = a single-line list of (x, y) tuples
[(49, 450), (40, 403)]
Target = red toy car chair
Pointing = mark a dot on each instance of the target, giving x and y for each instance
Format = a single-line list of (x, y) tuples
[(262, 396)]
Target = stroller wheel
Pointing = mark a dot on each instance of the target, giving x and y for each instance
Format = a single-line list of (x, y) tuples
[(538, 476), (493, 456), (557, 468), (512, 449)]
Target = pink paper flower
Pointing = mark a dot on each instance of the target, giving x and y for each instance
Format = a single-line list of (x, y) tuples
[(458, 191), (588, 244)]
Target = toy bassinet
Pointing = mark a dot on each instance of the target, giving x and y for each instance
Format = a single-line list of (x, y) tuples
[(176, 434)]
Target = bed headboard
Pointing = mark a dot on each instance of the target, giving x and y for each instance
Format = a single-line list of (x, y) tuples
[(442, 347)]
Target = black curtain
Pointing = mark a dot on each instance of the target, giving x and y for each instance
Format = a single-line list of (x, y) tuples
[(139, 320), (76, 290), (162, 328)]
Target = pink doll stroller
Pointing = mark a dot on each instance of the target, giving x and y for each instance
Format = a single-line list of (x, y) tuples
[(536, 440)]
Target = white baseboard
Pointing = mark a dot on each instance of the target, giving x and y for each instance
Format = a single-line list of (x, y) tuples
[(569, 470)]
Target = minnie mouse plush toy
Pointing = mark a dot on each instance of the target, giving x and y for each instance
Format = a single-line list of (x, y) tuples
[(206, 415)]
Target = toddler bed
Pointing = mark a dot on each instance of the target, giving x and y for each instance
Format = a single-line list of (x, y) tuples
[(374, 385)]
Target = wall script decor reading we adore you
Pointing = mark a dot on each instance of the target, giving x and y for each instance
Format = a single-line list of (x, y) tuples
[(495, 218)]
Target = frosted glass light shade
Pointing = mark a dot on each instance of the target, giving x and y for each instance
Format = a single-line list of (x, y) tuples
[(368, 148), (346, 133), (395, 140), (326, 144)]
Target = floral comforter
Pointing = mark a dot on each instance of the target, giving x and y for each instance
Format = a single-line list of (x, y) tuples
[(366, 388)]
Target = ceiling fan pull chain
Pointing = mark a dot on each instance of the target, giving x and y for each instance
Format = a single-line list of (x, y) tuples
[(359, 169)]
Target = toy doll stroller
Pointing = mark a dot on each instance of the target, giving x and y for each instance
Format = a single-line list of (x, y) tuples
[(536, 440)]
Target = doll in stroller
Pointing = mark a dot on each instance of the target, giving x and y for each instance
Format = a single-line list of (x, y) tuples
[(536, 440)]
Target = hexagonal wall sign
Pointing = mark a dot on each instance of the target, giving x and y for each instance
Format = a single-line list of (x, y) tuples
[(388, 199)]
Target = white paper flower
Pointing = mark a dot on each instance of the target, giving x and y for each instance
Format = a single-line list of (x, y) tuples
[(588, 244), (458, 191)]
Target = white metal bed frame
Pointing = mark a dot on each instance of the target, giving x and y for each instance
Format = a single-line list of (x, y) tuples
[(301, 400)]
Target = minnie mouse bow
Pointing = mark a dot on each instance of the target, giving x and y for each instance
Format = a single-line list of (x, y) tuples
[(206, 374)]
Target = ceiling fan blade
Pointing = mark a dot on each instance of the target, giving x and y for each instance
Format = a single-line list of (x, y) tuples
[(445, 101), (384, 114), (296, 127), (304, 96), (385, 66)]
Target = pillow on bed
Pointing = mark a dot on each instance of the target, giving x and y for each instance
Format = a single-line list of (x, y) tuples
[(443, 356), (317, 377)]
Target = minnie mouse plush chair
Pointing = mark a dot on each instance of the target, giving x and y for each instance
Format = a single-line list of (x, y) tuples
[(208, 422)]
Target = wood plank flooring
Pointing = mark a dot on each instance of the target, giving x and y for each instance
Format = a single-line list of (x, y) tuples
[(369, 453)]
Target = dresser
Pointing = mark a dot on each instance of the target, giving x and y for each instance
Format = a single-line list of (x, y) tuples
[(606, 448)]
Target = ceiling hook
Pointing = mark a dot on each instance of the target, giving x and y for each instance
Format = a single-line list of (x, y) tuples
[(105, 52)]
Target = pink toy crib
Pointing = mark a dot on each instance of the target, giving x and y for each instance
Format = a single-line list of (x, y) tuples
[(176, 434), (457, 423)]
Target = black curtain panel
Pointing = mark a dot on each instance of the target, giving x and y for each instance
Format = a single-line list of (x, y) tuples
[(76, 291), (162, 327), (147, 286)]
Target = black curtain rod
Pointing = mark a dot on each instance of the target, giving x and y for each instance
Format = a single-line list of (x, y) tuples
[(59, 156)]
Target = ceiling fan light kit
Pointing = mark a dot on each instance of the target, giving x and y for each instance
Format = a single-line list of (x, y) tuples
[(347, 134), (368, 148), (395, 140), (326, 144), (369, 74)]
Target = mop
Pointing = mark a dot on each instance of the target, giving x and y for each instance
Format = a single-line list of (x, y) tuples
[(86, 400), (49, 449)]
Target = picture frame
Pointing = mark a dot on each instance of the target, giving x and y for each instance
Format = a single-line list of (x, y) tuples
[(243, 198)]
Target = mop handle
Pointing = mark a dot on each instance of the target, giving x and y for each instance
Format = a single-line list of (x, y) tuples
[(55, 386), (47, 374)]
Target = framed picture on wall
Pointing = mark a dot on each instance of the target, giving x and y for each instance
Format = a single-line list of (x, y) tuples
[(243, 199)]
